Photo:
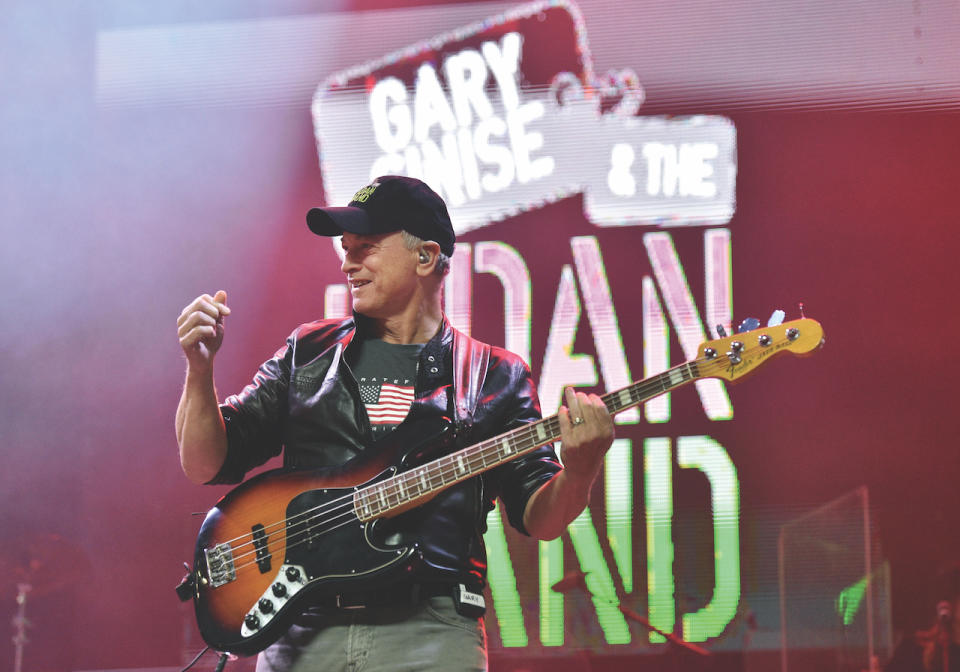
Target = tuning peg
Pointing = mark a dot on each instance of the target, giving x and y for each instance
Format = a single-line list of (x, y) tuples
[(748, 324), (721, 332), (776, 318)]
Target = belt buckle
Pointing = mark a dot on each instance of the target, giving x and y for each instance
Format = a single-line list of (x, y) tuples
[(338, 601)]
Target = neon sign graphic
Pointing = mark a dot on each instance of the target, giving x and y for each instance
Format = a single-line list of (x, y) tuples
[(496, 137), (498, 131)]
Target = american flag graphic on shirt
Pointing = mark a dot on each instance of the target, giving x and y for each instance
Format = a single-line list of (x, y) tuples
[(387, 403)]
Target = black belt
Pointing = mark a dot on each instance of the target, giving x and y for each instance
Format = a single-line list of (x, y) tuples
[(388, 596)]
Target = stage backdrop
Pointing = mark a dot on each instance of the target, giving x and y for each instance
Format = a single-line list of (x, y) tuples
[(626, 182)]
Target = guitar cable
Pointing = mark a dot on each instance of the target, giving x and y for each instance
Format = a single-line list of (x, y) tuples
[(220, 663), (196, 658)]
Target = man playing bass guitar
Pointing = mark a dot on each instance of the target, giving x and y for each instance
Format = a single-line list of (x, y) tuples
[(337, 393)]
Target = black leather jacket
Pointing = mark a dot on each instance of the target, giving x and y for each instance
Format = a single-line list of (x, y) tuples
[(306, 401)]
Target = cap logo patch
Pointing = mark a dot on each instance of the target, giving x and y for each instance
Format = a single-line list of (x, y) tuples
[(365, 193)]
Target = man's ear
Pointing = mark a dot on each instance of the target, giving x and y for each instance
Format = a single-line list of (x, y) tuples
[(427, 257)]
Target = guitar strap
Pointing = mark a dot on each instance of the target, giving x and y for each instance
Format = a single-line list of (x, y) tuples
[(470, 360)]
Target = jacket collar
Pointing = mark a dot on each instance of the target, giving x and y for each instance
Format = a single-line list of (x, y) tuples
[(436, 358), (362, 325)]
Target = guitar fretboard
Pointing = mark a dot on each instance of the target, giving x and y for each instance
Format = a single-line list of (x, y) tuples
[(383, 497)]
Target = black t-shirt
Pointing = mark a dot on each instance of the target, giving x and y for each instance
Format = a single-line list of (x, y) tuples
[(386, 373)]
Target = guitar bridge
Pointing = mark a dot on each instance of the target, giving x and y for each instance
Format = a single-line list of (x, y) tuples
[(220, 567)]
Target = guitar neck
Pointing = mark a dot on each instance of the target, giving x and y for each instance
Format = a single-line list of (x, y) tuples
[(398, 493)]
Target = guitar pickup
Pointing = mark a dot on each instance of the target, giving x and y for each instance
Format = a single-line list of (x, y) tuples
[(262, 548), (220, 567)]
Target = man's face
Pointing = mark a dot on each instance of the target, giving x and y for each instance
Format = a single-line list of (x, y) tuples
[(381, 273)]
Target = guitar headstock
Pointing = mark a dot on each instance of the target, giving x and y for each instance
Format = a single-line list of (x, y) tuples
[(732, 357)]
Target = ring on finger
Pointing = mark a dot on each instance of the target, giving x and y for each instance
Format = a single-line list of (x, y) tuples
[(577, 421)]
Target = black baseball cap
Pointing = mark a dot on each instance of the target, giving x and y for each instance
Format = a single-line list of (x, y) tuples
[(389, 203)]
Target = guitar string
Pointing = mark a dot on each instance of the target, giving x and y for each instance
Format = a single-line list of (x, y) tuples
[(313, 532), (438, 469), (478, 451), (316, 526), (315, 520), (426, 471), (652, 385), (320, 528), (317, 530)]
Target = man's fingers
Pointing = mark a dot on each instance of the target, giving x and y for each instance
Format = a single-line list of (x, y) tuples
[(206, 304), (194, 320), (585, 407), (595, 422), (594, 409), (197, 320), (201, 304), (220, 298), (198, 334), (200, 325), (563, 416), (588, 412), (573, 405)]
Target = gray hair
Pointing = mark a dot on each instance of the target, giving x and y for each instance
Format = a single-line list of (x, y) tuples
[(412, 243)]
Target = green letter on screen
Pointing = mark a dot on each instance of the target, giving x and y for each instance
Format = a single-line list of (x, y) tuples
[(658, 495), (503, 583), (705, 454)]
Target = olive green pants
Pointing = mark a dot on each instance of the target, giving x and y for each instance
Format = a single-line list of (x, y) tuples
[(422, 637)]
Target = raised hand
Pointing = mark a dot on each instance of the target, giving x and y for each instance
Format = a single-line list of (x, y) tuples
[(200, 328)]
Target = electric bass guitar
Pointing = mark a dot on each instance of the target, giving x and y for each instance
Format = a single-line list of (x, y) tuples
[(284, 538)]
